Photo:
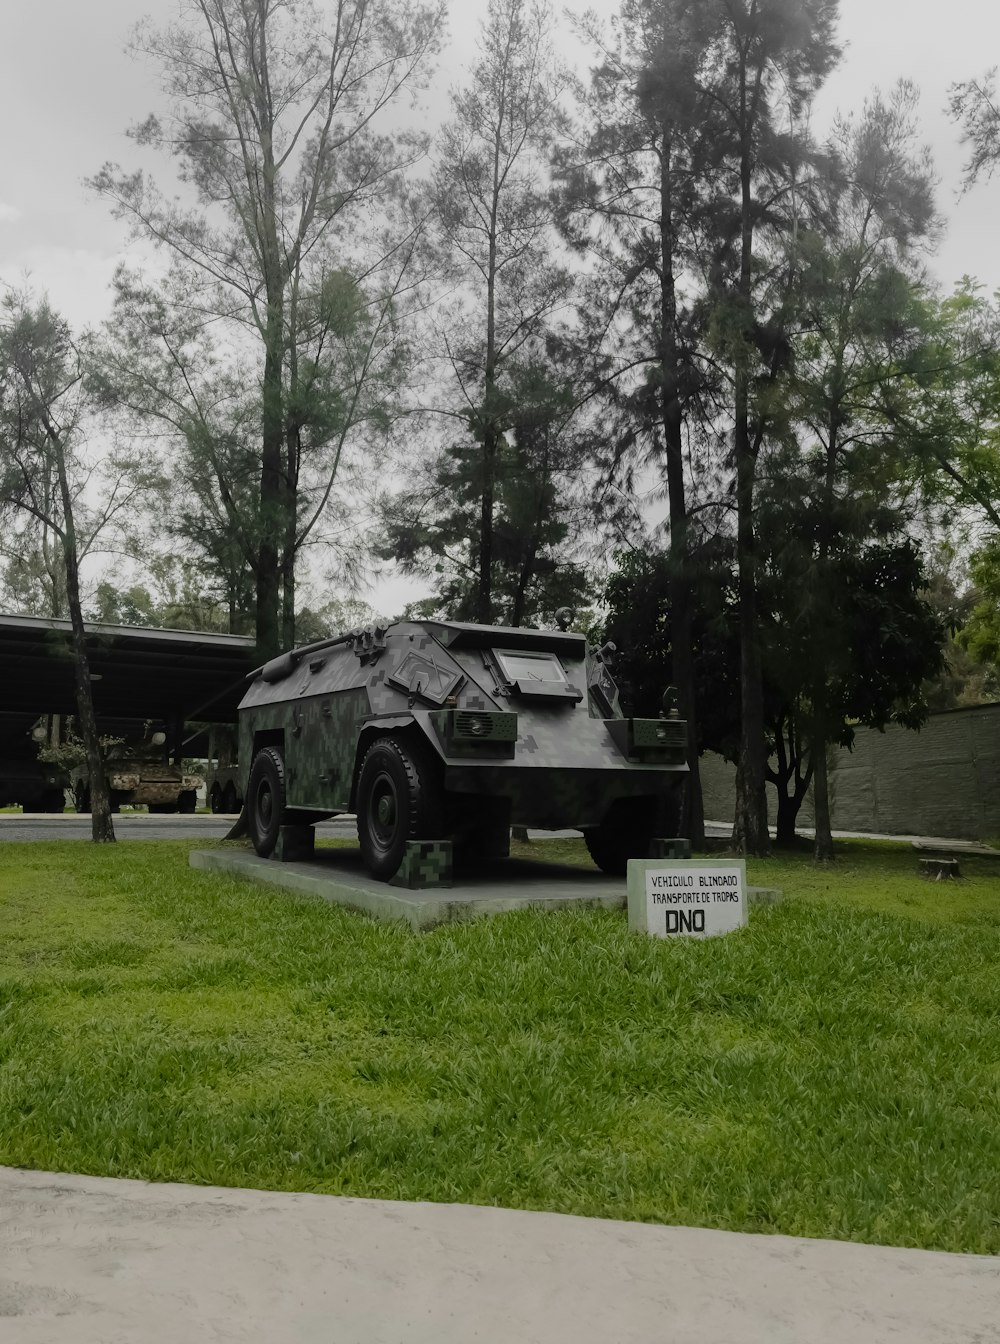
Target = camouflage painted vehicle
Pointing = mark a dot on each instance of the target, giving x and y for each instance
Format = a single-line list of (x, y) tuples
[(438, 730), (140, 774)]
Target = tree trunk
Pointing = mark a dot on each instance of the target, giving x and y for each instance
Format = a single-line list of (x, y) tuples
[(788, 773), (821, 799), (484, 598), (750, 835), (288, 595), (788, 812), (527, 570), (681, 615), (102, 828), (273, 499), (293, 461), (276, 494), (682, 668), (490, 430), (521, 591)]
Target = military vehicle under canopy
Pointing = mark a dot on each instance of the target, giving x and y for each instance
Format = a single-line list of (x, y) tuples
[(437, 730), (139, 772)]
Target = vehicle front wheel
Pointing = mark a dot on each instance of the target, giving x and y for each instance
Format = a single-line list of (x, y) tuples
[(266, 799), (399, 799), (188, 801), (215, 799)]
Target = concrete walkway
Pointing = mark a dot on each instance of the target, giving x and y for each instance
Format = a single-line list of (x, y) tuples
[(85, 1260)]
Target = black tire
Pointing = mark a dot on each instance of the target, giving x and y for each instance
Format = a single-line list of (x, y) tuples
[(399, 799), (81, 797), (230, 800), (266, 800), (53, 801), (627, 832), (188, 801), (215, 799), (116, 798)]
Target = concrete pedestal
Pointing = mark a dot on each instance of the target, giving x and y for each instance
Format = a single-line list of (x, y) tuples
[(338, 876)]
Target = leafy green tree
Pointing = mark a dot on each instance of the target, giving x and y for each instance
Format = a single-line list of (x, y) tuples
[(887, 647), (769, 60), (635, 199), (849, 639), (639, 599), (33, 578), (974, 104), (486, 500), (273, 341), (173, 596), (971, 617), (946, 406), (43, 469), (112, 605), (334, 617), (852, 463), (980, 632), (534, 517)]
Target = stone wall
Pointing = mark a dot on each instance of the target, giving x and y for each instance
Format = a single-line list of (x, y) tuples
[(944, 780)]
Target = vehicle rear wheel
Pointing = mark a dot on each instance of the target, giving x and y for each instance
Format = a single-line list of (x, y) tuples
[(230, 799), (627, 832), (215, 799), (116, 797), (399, 799), (266, 799), (188, 801), (81, 797)]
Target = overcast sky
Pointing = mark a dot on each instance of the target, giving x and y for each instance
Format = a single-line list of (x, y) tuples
[(68, 91)]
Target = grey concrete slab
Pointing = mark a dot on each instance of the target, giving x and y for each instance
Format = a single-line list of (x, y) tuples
[(86, 1260), (956, 848), (337, 875)]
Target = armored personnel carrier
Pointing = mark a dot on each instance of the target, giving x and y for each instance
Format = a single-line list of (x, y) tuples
[(437, 730), (139, 772)]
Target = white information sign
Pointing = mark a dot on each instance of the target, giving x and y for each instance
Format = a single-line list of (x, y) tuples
[(693, 898)]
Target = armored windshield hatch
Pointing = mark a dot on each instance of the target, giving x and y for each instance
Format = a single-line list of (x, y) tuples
[(421, 676), (535, 675)]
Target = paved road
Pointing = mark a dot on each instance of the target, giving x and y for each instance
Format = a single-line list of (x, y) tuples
[(139, 826), (85, 1260)]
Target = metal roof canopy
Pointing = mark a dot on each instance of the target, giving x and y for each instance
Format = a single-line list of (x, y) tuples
[(137, 672)]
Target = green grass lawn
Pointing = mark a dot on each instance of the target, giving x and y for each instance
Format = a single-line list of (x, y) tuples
[(832, 1071)]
